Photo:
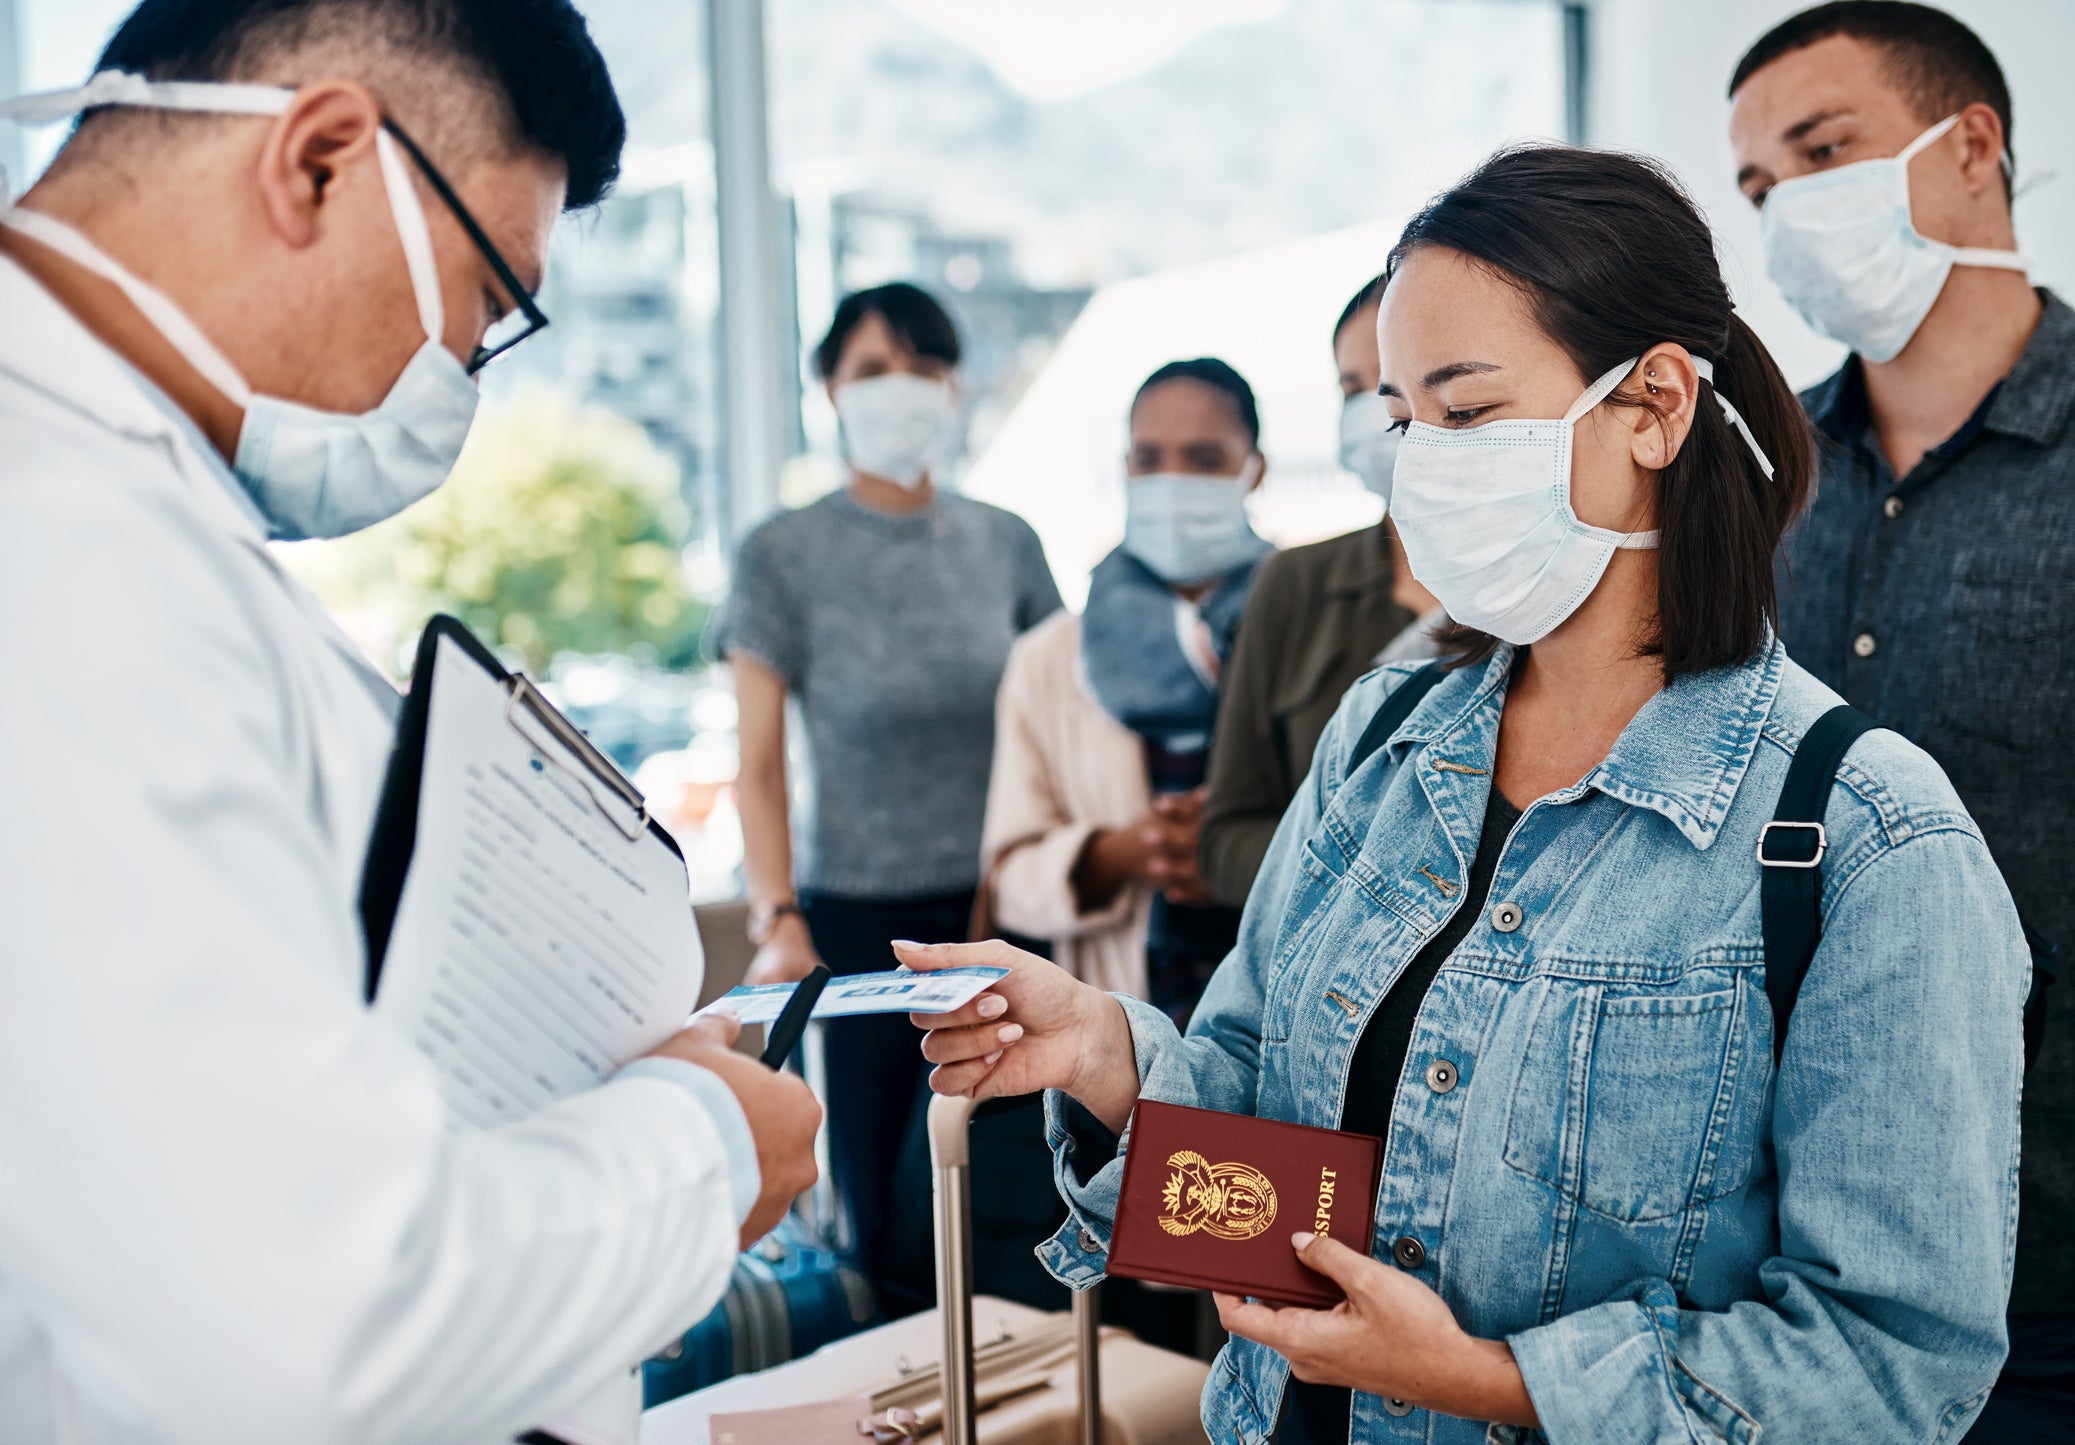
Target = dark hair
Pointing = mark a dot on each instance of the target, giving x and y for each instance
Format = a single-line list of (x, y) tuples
[(916, 319), (1371, 294), (536, 54), (1616, 259), (1936, 62), (1212, 373)]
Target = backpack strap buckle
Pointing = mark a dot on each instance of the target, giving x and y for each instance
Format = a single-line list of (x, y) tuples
[(1814, 860)]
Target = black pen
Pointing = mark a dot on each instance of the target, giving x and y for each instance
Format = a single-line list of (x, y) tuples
[(792, 1022)]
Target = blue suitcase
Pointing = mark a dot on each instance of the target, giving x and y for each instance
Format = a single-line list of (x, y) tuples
[(790, 1295)]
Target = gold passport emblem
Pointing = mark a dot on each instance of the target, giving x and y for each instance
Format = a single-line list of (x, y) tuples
[(1226, 1201)]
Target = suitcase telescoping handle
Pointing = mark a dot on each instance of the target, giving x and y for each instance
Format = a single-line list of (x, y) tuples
[(950, 1153)]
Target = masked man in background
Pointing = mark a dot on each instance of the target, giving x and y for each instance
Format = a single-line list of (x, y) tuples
[(246, 302), (1933, 580)]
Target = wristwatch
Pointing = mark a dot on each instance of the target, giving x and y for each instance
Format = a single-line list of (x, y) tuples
[(763, 919)]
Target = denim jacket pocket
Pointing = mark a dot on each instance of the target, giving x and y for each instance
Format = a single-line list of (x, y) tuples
[(1303, 915), (1623, 1100)]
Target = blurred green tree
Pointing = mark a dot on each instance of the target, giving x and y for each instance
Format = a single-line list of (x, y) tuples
[(561, 530)]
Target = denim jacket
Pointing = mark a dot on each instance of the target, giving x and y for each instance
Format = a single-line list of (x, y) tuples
[(1678, 1244)]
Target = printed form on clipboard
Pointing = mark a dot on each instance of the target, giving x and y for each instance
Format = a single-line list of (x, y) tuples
[(529, 927)]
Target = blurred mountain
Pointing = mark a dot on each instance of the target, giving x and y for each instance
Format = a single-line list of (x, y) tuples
[(1333, 113)]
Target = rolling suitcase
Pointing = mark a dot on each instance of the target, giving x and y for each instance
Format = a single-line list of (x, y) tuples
[(790, 1294), (1026, 1377)]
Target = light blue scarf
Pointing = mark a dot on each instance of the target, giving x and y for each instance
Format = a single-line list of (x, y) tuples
[(1134, 661)]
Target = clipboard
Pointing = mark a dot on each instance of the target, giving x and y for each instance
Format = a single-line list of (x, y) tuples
[(528, 925), (393, 840)]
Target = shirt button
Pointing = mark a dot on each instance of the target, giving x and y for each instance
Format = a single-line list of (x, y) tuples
[(1892, 508), (1396, 1407), (1409, 1252), (1440, 1076), (1507, 917), (1863, 645)]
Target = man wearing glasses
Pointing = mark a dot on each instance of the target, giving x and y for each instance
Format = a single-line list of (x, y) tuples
[(247, 302)]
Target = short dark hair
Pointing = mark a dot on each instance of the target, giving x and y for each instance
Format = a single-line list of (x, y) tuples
[(1371, 294), (1215, 374), (536, 54), (1936, 62), (1615, 259), (917, 320)]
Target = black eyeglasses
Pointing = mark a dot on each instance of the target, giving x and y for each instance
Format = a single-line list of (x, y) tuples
[(514, 326)]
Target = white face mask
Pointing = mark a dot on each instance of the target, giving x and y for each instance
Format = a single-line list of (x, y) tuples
[(1486, 518), (1186, 527), (898, 426), (1485, 515), (1840, 244), (312, 473), (1369, 442)]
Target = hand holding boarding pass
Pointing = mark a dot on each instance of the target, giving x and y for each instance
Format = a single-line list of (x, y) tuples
[(1037, 1027), (894, 991)]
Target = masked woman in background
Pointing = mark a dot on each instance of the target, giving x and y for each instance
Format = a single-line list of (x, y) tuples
[(1520, 938), (886, 610), (1104, 720), (1320, 617)]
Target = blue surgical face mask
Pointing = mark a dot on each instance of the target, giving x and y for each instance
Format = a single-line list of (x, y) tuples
[(1369, 442), (1186, 527), (897, 426), (312, 473), (1486, 517), (1842, 247)]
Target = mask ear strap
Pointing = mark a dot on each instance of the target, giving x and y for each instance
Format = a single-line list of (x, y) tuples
[(119, 87), (1928, 139), (416, 234), (1600, 390), (173, 323), (1734, 417)]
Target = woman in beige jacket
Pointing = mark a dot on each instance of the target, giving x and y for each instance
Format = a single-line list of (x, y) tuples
[(1103, 721), (1064, 771)]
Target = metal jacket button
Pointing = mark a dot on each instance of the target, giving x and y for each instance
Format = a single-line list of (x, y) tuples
[(1440, 1076), (1409, 1252), (1089, 1243), (1396, 1407), (1506, 917)]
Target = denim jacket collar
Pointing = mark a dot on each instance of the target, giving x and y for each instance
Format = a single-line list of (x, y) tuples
[(1683, 756)]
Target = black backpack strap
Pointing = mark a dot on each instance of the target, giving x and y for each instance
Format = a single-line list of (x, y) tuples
[(1791, 900), (1391, 716), (2044, 973), (1791, 850)]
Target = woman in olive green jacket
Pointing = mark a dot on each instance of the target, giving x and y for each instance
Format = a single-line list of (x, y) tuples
[(1320, 617)]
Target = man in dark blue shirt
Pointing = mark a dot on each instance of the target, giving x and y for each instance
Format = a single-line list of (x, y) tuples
[(1933, 581)]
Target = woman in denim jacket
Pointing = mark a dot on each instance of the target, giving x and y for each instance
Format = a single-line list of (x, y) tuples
[(1523, 942)]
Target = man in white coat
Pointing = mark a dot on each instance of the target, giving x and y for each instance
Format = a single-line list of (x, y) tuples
[(232, 1207)]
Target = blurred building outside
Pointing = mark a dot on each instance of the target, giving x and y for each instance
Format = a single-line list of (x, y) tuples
[(1091, 189)]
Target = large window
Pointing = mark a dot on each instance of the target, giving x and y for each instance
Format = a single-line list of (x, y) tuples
[(1093, 187)]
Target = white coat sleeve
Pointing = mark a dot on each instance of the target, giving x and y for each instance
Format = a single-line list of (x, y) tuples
[(232, 1199)]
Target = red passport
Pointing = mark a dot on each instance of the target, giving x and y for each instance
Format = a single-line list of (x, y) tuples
[(1210, 1201)]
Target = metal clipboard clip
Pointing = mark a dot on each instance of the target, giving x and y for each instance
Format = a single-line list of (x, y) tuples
[(520, 692)]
